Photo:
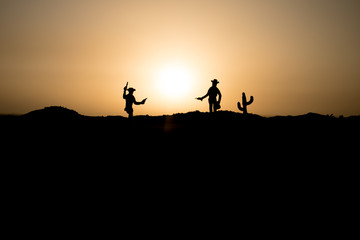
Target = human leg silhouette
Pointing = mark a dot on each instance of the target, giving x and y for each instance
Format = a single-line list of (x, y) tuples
[(211, 106), (130, 112)]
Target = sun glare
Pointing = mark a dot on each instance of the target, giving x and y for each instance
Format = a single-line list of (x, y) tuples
[(173, 81)]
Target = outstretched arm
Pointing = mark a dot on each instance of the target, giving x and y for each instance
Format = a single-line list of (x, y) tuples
[(201, 98), (138, 103)]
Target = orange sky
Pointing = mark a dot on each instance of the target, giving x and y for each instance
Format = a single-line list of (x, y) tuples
[(293, 56)]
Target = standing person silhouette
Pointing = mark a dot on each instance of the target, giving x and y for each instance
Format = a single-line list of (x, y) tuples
[(130, 100), (212, 94)]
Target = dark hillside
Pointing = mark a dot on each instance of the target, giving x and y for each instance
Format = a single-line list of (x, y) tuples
[(52, 112), (226, 150), (225, 124), (221, 134), (182, 132)]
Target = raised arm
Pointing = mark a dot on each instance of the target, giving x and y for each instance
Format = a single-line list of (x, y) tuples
[(125, 88)]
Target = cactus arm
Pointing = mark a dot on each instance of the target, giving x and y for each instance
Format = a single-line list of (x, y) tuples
[(239, 106), (250, 101)]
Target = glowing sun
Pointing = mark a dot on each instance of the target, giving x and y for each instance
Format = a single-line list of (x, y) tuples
[(174, 81)]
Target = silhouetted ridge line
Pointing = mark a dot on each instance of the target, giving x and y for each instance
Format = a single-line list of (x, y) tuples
[(63, 112), (53, 112)]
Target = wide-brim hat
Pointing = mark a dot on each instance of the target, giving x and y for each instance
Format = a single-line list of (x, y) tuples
[(215, 81), (131, 89)]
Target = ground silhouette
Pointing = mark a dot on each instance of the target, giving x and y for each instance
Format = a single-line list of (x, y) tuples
[(220, 119), (195, 126), (57, 157), (228, 150), (52, 112)]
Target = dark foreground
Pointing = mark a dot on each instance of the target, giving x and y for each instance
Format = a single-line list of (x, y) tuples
[(297, 168), (224, 142), (195, 141), (57, 132)]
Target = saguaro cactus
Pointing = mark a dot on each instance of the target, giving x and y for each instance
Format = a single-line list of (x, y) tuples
[(245, 103)]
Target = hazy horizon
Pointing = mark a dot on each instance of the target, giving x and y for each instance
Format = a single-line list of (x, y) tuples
[(293, 56)]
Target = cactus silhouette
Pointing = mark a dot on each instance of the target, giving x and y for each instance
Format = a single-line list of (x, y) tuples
[(245, 103)]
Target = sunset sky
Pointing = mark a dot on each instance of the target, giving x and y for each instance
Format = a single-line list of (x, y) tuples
[(293, 56)]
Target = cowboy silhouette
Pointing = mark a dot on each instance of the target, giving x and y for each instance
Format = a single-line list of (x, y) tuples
[(130, 100), (212, 94)]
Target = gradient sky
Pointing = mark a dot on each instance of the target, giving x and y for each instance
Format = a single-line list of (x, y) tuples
[(293, 56)]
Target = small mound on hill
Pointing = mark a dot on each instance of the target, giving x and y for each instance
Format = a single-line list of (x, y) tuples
[(56, 112)]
